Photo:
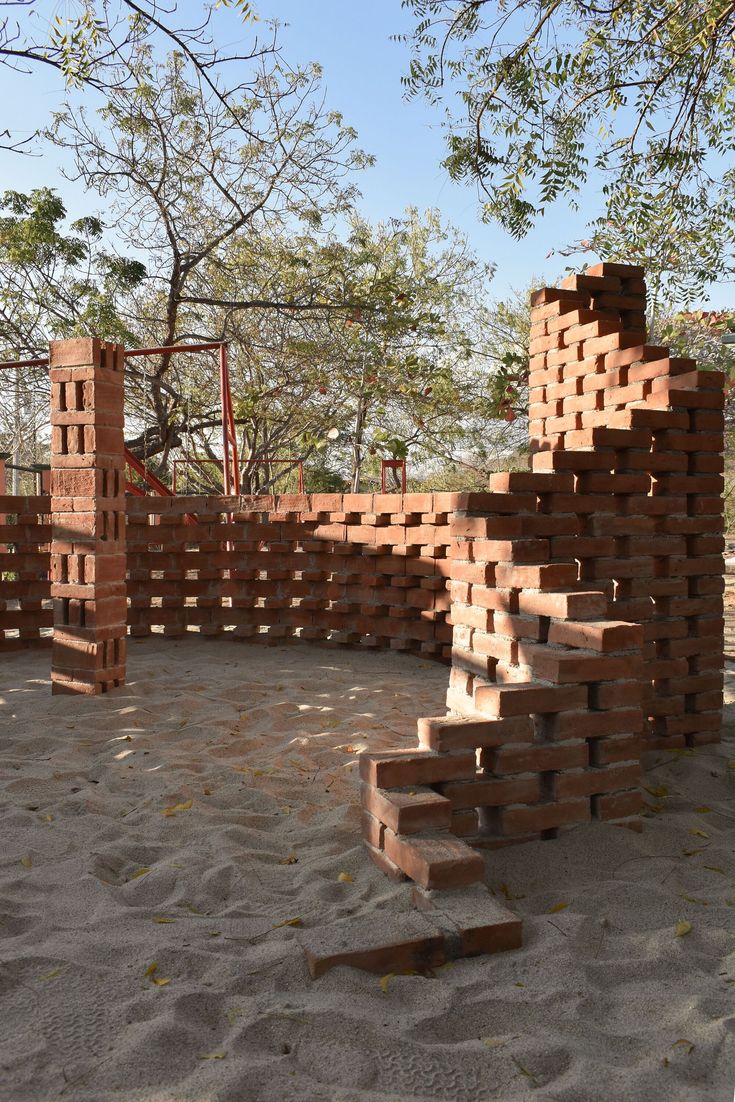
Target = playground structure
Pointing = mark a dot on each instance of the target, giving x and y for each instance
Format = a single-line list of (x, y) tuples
[(229, 465), (579, 604)]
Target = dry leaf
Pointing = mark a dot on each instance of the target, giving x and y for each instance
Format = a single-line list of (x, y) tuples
[(212, 1056), (160, 982), (385, 980), (288, 922), (557, 907), (345, 877), (698, 833), (168, 811), (139, 872), (494, 1042), (27, 861), (162, 919), (52, 975), (684, 1044), (693, 899), (524, 1071), (233, 1014), (292, 859), (703, 809), (714, 868), (683, 928), (519, 984), (659, 792)]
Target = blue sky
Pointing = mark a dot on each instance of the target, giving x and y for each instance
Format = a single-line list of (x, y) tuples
[(362, 79)]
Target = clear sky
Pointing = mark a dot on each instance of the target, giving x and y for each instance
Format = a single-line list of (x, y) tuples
[(351, 39)]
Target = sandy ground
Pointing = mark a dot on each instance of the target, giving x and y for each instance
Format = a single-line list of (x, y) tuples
[(143, 951)]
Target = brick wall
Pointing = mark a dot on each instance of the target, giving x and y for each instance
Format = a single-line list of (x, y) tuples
[(586, 600), (358, 569), (25, 537)]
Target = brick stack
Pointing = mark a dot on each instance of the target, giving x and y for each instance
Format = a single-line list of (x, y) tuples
[(25, 536), (642, 433), (88, 516), (586, 593), (358, 569)]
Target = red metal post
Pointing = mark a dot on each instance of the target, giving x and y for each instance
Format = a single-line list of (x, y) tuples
[(392, 464)]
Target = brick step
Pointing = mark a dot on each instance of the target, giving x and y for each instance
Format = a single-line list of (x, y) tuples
[(446, 733), (434, 861), (407, 810), (530, 698)]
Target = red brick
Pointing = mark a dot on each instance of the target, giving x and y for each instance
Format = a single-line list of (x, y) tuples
[(514, 700), (435, 862), (468, 732), (397, 768), (590, 782), (407, 810), (530, 820)]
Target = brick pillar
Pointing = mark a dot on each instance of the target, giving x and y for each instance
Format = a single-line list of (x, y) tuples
[(88, 516)]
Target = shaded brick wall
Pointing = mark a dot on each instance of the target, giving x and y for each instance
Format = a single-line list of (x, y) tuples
[(358, 569), (25, 538)]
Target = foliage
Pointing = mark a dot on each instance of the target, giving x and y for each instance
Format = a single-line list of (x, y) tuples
[(542, 93)]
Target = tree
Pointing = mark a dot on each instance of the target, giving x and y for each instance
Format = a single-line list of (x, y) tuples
[(189, 176), (548, 92), (54, 282), (88, 45)]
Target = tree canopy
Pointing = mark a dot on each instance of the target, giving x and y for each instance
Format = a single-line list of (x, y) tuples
[(544, 96)]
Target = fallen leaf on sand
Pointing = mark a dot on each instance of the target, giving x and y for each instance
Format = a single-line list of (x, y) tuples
[(714, 868), (524, 1071), (659, 792), (345, 877), (557, 907), (698, 833), (494, 1042), (150, 973), (186, 806), (27, 861), (212, 1056), (693, 899), (385, 980), (139, 872), (292, 859), (162, 919), (683, 928), (52, 975), (682, 1043), (703, 810), (233, 1014), (288, 922)]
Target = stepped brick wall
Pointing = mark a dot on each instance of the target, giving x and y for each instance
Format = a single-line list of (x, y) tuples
[(586, 600)]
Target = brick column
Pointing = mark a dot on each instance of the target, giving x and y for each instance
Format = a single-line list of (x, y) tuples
[(88, 516)]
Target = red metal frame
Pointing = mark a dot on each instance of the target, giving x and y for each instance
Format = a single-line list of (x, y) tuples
[(229, 433), (394, 465)]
